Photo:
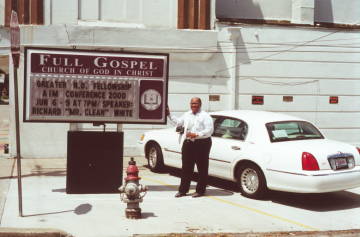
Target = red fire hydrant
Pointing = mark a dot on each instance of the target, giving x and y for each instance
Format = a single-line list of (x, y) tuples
[(131, 192)]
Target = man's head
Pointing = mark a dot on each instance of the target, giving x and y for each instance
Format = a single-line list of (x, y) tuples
[(195, 104)]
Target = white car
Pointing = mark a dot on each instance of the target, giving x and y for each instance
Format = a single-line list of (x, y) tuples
[(264, 150)]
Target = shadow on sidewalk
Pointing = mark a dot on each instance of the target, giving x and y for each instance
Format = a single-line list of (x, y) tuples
[(318, 202), (216, 186), (40, 172), (79, 210)]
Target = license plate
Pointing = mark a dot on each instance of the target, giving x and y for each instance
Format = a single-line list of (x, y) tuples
[(341, 163)]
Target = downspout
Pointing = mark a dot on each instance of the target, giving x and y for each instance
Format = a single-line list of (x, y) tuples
[(234, 34)]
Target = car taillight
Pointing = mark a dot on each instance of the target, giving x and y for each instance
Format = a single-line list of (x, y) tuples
[(358, 148), (309, 162)]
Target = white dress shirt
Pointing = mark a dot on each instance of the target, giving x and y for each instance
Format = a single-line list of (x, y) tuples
[(200, 123)]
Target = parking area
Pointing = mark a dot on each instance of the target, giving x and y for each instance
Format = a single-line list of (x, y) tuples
[(222, 210)]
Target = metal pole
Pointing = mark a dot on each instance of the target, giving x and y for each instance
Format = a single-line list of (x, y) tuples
[(18, 157)]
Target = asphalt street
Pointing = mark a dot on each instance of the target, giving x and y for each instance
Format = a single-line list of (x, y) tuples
[(222, 210)]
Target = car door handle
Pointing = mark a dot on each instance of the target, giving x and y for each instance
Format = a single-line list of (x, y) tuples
[(235, 148)]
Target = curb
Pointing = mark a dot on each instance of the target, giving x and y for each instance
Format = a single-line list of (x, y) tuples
[(337, 233), (32, 232)]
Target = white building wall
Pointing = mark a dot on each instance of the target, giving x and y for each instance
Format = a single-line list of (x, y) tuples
[(139, 13), (254, 9), (338, 11), (308, 64), (2, 12), (302, 12), (89, 10), (329, 11), (64, 12)]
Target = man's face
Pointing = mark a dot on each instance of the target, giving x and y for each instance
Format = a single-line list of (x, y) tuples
[(195, 105)]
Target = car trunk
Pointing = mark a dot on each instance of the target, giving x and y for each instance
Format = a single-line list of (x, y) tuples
[(329, 154)]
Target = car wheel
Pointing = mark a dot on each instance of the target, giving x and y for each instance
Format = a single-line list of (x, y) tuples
[(251, 181), (155, 158)]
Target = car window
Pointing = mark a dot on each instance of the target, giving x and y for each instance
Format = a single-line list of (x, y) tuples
[(292, 130), (229, 128)]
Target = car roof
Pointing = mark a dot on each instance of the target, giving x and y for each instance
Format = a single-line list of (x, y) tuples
[(257, 116)]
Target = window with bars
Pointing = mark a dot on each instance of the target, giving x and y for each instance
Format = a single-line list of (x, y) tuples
[(29, 11), (194, 14)]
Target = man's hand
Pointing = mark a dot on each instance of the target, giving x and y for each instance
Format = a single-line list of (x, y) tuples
[(191, 135)]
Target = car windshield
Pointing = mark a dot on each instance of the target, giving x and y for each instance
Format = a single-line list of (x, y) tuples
[(292, 131)]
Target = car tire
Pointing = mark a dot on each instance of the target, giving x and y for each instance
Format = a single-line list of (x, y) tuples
[(251, 181), (155, 158)]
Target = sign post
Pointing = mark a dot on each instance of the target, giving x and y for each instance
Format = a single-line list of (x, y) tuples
[(15, 52)]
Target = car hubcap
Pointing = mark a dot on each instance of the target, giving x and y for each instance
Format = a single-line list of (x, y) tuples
[(152, 156), (249, 180)]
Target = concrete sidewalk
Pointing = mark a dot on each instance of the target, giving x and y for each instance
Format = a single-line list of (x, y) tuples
[(47, 206), (6, 171)]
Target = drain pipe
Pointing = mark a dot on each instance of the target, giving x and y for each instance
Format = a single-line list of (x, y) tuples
[(234, 34)]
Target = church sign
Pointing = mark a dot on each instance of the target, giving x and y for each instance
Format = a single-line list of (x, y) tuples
[(92, 86)]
